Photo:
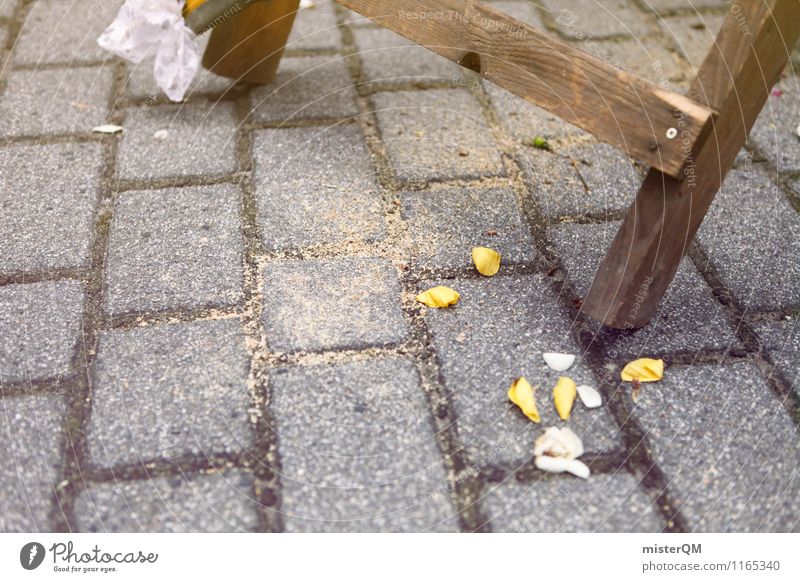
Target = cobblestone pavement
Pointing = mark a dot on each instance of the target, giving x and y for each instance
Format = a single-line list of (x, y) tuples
[(217, 331)]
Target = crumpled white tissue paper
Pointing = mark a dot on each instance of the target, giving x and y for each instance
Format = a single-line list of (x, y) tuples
[(142, 26)]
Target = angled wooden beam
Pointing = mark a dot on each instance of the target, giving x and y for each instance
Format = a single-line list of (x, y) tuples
[(647, 122), (247, 36), (751, 51)]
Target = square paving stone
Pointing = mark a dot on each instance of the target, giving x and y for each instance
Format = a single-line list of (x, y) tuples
[(728, 447), (316, 185), (175, 248), (215, 502), (436, 135), (357, 450), (200, 140), (594, 179), (496, 333), (666, 6), (170, 390), (605, 503), (31, 431), (47, 200), (689, 317), (525, 121), (782, 341), (306, 88), (332, 304), (40, 324), (522, 10), (693, 34), (142, 86), (646, 58), (446, 224), (752, 234), (55, 101), (7, 8), (315, 28), (59, 31), (775, 131), (387, 57), (584, 19)]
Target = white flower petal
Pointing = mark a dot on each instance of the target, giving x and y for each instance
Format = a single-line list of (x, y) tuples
[(558, 362), (108, 128), (578, 468), (558, 442), (552, 464), (589, 396)]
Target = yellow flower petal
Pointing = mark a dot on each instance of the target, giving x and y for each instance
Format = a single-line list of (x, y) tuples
[(438, 297), (521, 394), (486, 260), (564, 395), (644, 370), (192, 5)]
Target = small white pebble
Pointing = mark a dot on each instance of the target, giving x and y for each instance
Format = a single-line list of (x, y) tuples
[(161, 135)]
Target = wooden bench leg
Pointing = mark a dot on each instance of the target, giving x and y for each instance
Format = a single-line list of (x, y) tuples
[(735, 80), (249, 46)]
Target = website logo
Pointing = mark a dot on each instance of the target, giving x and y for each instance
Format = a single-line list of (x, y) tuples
[(31, 555)]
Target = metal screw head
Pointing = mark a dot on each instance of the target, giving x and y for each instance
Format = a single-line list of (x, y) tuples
[(671, 133)]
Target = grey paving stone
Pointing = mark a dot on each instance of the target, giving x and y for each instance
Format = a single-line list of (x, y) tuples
[(428, 133), (315, 28), (524, 121), (387, 57), (357, 450), (588, 179), (175, 248), (353, 18), (47, 202), (609, 175), (521, 10), (316, 185), (55, 101), (752, 234), (40, 324), (648, 58), (666, 6), (692, 34), (30, 427), (556, 185), (782, 341), (727, 446), (689, 317), (201, 140), (306, 88), (59, 31), (331, 304), (775, 131), (496, 333), (160, 392), (142, 86), (604, 503), (216, 502), (7, 8), (446, 224), (592, 19)]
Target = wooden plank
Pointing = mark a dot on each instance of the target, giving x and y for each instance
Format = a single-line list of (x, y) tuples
[(752, 50), (247, 39), (615, 106)]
